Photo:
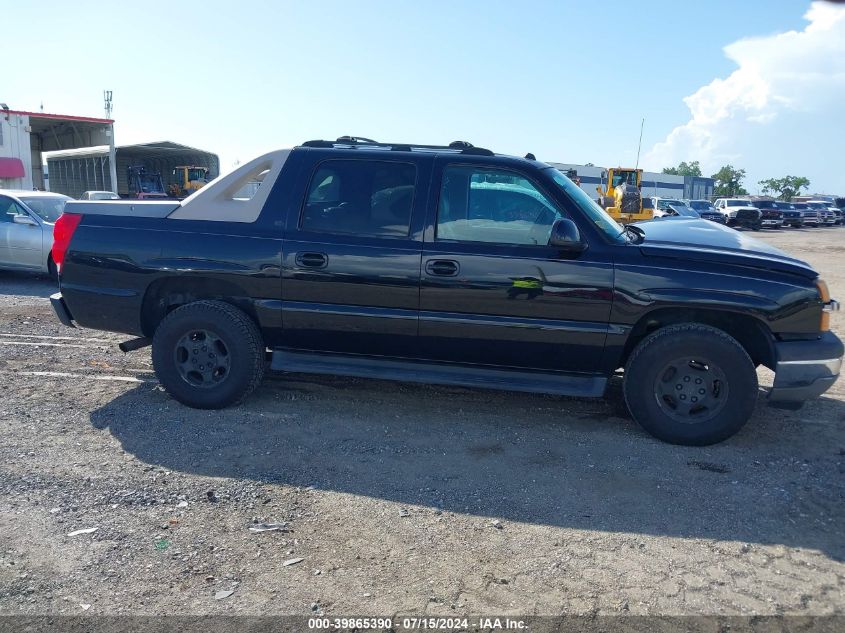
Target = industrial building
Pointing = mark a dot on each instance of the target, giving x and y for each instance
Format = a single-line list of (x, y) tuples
[(25, 136), (80, 154), (653, 183), (74, 171)]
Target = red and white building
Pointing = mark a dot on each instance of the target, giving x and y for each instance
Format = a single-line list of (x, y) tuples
[(25, 136)]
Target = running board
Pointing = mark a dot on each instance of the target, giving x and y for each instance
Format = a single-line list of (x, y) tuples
[(587, 386)]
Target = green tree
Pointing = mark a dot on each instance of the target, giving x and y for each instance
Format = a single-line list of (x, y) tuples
[(786, 188), (729, 181), (684, 169)]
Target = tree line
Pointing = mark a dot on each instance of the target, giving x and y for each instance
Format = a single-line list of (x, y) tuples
[(729, 181)]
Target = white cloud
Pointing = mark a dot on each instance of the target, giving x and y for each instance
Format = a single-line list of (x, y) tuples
[(786, 86)]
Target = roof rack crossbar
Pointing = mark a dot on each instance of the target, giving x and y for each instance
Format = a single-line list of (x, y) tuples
[(350, 142)]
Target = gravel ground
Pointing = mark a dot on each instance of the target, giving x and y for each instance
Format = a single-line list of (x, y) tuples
[(397, 498)]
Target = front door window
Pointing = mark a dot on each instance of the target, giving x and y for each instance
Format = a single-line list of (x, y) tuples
[(479, 204)]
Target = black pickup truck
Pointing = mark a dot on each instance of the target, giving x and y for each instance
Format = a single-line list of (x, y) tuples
[(445, 264)]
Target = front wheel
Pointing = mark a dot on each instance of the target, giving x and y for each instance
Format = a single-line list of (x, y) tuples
[(690, 384), (208, 354)]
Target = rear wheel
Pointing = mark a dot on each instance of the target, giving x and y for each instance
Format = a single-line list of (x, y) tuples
[(690, 384), (208, 354)]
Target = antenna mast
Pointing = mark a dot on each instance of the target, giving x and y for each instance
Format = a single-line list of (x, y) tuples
[(107, 99), (640, 146)]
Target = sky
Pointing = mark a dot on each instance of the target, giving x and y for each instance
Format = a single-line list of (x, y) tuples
[(758, 84)]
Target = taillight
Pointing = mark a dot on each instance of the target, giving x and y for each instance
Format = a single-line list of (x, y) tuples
[(62, 232)]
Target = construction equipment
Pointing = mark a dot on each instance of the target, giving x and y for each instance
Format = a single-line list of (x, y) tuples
[(622, 197), (188, 179), (144, 186)]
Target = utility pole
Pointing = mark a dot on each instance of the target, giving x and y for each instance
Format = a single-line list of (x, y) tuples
[(107, 98)]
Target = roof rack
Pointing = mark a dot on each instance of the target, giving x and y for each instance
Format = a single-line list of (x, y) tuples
[(358, 142)]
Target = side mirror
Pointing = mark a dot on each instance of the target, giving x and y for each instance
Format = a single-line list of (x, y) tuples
[(566, 236), (19, 218)]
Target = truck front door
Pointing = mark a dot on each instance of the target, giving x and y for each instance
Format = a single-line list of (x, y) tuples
[(493, 291)]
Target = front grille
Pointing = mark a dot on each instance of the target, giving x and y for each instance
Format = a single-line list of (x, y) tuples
[(747, 215)]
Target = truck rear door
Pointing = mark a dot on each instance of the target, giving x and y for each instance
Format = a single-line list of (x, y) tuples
[(351, 255)]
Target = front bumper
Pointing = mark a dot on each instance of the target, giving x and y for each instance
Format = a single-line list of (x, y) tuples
[(61, 309), (806, 369)]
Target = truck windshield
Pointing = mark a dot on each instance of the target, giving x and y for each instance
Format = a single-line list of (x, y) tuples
[(48, 208), (628, 177), (682, 209), (764, 204), (606, 224), (700, 205), (665, 203)]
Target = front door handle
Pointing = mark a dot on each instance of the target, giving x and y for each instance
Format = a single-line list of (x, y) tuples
[(442, 267), (312, 260)]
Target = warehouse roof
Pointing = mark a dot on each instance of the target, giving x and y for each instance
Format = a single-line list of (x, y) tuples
[(62, 117), (64, 131), (139, 149)]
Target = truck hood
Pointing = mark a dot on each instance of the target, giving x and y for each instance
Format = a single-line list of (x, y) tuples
[(707, 241)]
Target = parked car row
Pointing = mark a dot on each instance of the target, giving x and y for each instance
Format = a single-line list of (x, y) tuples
[(753, 213)]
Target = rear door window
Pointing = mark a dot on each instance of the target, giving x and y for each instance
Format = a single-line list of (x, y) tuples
[(360, 197)]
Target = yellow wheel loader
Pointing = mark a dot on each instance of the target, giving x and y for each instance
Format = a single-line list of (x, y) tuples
[(189, 178), (620, 194)]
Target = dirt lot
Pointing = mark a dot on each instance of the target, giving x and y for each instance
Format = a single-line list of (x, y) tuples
[(398, 498)]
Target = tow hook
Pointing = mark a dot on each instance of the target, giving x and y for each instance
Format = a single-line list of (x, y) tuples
[(135, 343)]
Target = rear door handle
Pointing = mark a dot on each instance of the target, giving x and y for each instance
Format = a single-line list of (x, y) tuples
[(442, 267), (312, 260)]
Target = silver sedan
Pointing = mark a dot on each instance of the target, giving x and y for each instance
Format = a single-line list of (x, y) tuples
[(26, 229)]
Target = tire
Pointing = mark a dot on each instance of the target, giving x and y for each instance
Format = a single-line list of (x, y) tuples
[(223, 346), (668, 364)]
